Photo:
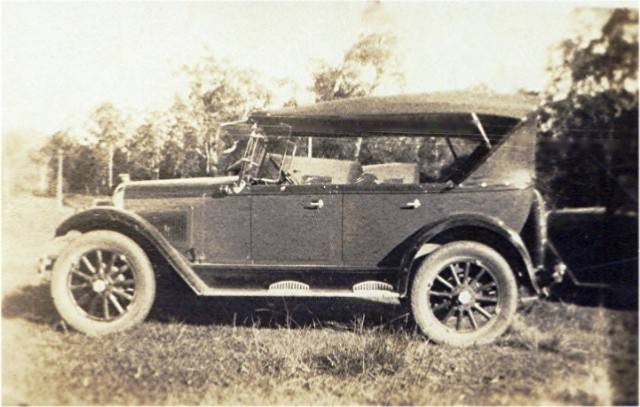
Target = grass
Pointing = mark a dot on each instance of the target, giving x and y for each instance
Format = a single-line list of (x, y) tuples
[(554, 353)]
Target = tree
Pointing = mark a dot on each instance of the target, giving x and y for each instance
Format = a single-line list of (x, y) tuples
[(370, 62), (178, 142), (109, 131), (589, 121), (183, 154), (365, 66), (80, 170), (145, 147), (58, 141), (219, 93)]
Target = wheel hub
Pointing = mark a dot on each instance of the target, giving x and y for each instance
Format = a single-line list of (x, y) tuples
[(465, 297), (99, 286)]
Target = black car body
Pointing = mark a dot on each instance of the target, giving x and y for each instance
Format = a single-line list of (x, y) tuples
[(340, 199)]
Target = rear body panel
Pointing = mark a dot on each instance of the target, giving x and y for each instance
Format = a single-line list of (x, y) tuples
[(375, 223)]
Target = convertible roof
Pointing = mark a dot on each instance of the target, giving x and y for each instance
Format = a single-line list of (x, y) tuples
[(515, 106), (443, 113)]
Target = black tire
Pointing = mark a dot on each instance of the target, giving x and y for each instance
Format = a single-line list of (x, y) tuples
[(481, 303), (119, 275)]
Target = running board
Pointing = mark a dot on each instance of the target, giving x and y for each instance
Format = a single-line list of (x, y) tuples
[(288, 285), (237, 292)]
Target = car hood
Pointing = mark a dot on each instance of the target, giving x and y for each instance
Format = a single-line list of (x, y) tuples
[(175, 188)]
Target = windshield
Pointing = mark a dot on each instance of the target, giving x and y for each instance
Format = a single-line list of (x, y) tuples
[(253, 155), (266, 159)]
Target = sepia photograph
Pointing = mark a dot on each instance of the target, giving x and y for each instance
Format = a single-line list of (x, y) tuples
[(319, 203)]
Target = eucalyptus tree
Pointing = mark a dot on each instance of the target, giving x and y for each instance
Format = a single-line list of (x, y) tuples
[(589, 122)]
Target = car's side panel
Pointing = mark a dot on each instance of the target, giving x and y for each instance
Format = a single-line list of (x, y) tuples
[(173, 218), (223, 230), (138, 229), (145, 234), (197, 217), (510, 239), (289, 227), (375, 224)]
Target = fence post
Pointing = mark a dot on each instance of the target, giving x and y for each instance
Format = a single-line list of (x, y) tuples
[(59, 202), (110, 166)]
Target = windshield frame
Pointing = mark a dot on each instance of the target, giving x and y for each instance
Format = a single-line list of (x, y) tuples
[(257, 150)]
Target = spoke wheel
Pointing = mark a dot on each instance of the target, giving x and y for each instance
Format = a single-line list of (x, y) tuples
[(103, 283), (463, 294)]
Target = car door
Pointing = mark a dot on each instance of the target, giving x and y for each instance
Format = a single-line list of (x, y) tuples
[(295, 225), (376, 221)]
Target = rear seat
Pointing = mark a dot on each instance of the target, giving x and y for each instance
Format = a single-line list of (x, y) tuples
[(394, 173), (314, 170)]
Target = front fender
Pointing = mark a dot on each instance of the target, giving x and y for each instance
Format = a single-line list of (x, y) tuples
[(476, 221), (138, 229)]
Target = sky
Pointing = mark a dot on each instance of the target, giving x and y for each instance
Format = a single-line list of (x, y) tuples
[(60, 60)]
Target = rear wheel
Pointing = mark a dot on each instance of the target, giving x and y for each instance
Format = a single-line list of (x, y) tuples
[(103, 283), (463, 294)]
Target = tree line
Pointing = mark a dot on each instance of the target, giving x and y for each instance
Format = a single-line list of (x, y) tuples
[(588, 118)]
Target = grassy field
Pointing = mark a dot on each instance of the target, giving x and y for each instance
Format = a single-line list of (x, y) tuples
[(232, 351)]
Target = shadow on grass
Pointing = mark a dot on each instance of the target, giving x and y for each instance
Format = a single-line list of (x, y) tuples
[(176, 303), (34, 304), (278, 312)]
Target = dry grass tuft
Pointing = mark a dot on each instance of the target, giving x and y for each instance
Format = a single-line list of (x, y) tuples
[(523, 335), (373, 356)]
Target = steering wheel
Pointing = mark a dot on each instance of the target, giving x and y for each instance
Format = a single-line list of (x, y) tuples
[(235, 166), (285, 174)]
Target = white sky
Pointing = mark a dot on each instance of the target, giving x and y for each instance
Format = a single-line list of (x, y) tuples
[(60, 60)]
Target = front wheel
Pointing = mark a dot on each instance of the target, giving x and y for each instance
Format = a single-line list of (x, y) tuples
[(103, 283), (463, 294)]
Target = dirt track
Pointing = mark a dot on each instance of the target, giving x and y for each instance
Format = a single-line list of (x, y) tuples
[(27, 225)]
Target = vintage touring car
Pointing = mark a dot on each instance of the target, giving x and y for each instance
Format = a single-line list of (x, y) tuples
[(425, 198)]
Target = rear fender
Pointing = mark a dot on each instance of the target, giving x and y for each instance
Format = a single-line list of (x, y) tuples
[(427, 240), (138, 229)]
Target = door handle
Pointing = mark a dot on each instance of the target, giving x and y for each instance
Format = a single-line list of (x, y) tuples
[(415, 204), (315, 204)]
